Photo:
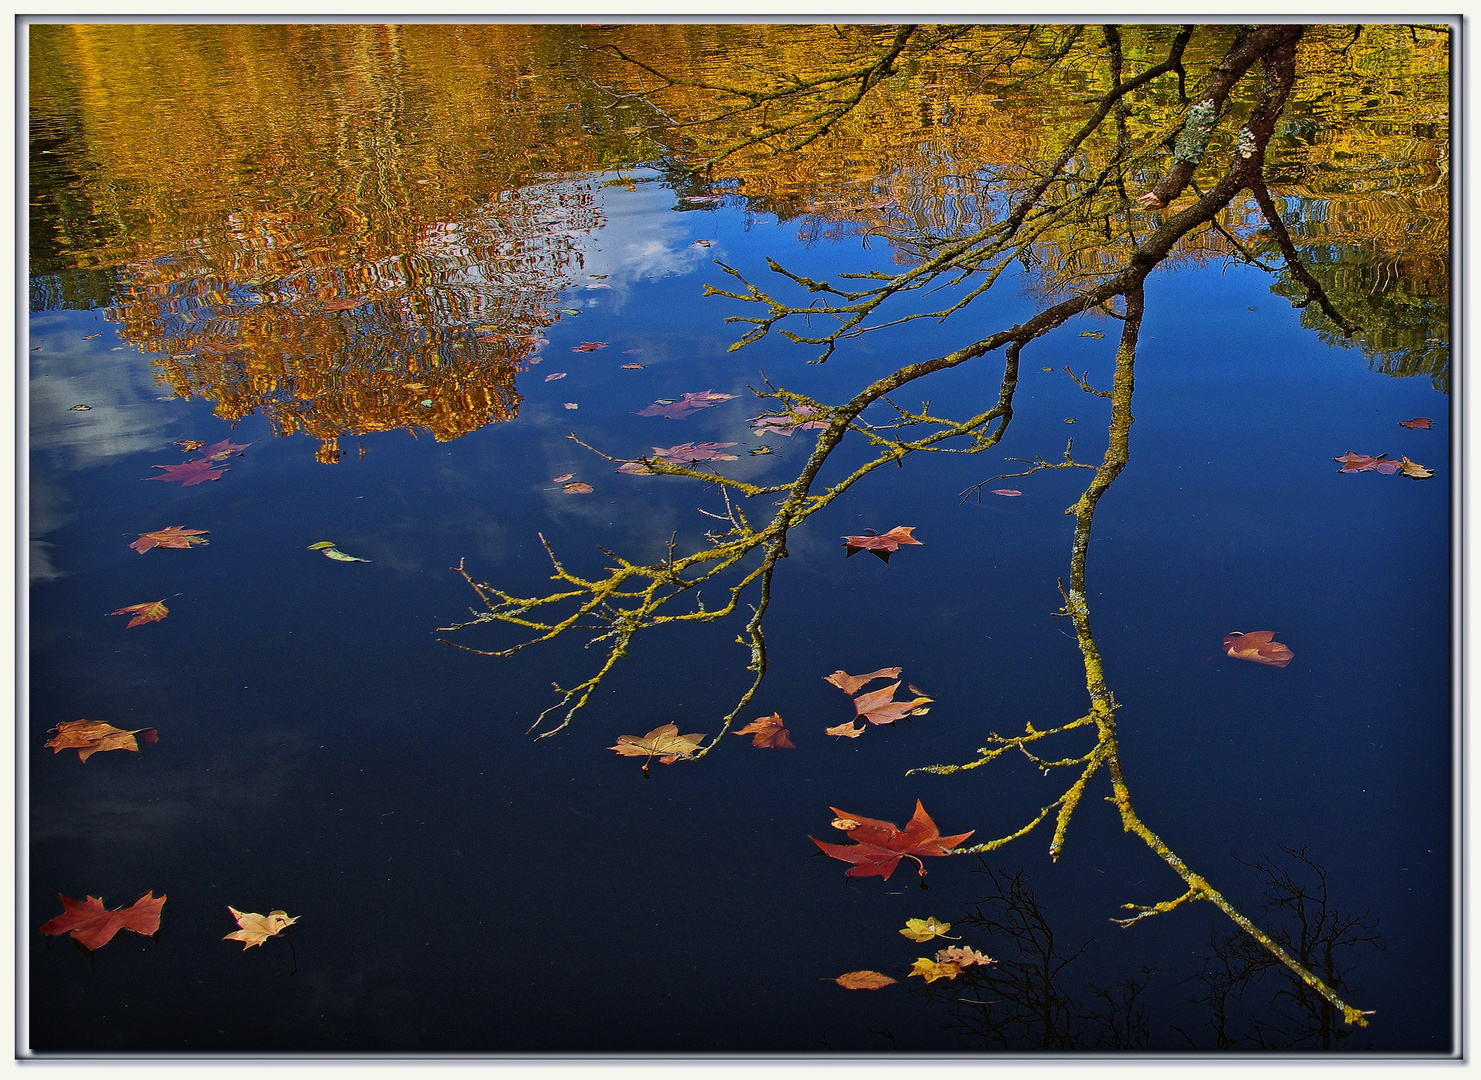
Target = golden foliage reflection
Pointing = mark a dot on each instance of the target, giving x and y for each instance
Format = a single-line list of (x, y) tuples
[(363, 228)]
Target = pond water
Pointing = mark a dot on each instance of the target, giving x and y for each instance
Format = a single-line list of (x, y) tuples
[(364, 254)]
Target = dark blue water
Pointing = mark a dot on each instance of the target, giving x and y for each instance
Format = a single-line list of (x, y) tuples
[(462, 887)]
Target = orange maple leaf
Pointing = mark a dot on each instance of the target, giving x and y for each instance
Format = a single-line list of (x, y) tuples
[(880, 706), (850, 684), (89, 737), (881, 844), (143, 613), (1258, 648), (881, 543), (174, 536), (92, 927), (768, 732)]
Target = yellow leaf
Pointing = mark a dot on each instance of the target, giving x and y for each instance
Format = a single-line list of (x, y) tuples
[(255, 929), (925, 929), (665, 741), (931, 971)]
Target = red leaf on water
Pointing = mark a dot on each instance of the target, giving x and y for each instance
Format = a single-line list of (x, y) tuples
[(1353, 463), (143, 613), (1258, 648), (193, 472), (880, 845), (1421, 423), (881, 543), (589, 346), (790, 422), (768, 732), (93, 927), (220, 451), (173, 537), (688, 403), (683, 454), (1006, 491)]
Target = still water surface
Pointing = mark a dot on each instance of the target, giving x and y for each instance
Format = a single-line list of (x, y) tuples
[(363, 251)]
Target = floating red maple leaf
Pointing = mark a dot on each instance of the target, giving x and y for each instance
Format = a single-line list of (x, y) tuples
[(219, 451), (93, 927), (769, 733), (153, 611), (175, 536), (881, 543), (1421, 423), (880, 845), (1363, 463), (790, 422), (191, 473), (1258, 648), (688, 403), (683, 454)]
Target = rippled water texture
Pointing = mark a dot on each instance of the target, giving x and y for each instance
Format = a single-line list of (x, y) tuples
[(399, 265)]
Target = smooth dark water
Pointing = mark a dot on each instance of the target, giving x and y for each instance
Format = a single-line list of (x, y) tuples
[(463, 888)]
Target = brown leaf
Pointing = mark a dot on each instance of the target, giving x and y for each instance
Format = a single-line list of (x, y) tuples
[(879, 706), (1414, 470), (665, 741), (1258, 648), (850, 684), (848, 731), (578, 488), (562, 478), (89, 737), (963, 957), (632, 367), (174, 536), (881, 543), (555, 375), (190, 445), (589, 346), (255, 929), (864, 980), (1419, 423), (143, 613), (92, 927), (768, 732)]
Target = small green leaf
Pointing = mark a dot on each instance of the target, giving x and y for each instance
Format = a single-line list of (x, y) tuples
[(321, 544), (1093, 333), (339, 556)]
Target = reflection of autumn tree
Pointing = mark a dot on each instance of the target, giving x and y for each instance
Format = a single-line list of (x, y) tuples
[(1164, 143), (371, 244), (431, 340), (1359, 165)]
